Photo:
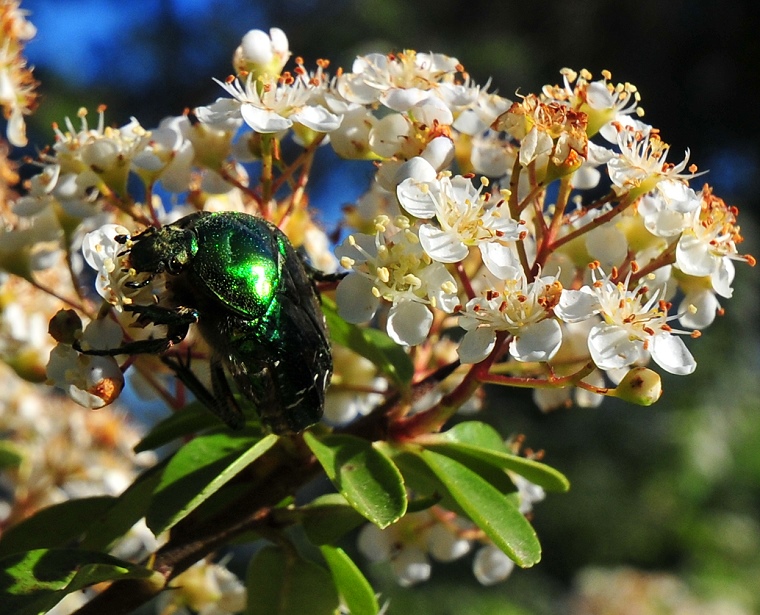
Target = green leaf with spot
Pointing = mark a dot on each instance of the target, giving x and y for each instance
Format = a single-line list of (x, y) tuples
[(488, 508), (33, 582), (353, 587), (198, 470), (280, 582), (367, 478), (389, 357)]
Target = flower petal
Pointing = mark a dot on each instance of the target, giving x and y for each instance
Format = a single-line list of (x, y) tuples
[(409, 322), (537, 342), (476, 345), (355, 300), (442, 246), (500, 260), (611, 347), (577, 305), (672, 355), (264, 120), (317, 118), (416, 198)]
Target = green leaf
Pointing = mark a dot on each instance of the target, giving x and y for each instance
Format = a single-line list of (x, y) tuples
[(33, 582), (54, 526), (476, 433), (10, 457), (421, 481), (124, 512), (281, 583), (353, 587), (197, 471), (390, 358), (329, 517), (193, 418), (367, 478), (474, 441), (488, 508)]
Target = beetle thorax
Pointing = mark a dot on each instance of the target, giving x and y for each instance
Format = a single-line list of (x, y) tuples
[(167, 249)]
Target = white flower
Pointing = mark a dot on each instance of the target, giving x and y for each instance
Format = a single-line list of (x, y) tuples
[(105, 255), (344, 403), (520, 307), (91, 381), (603, 102), (270, 106), (398, 81), (401, 545), (642, 163), (207, 589), (392, 266), (168, 155), (262, 53), (465, 218), (446, 544), (708, 244), (529, 493), (664, 217), (98, 156), (633, 327), (491, 565)]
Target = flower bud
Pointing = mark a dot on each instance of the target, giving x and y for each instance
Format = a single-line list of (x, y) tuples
[(65, 326), (640, 386), (262, 54), (491, 565)]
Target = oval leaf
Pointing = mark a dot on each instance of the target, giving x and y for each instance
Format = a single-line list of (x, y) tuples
[(191, 419), (197, 471), (477, 440), (353, 587), (329, 517), (534, 471), (126, 510), (489, 509), (476, 433), (368, 479), (34, 581), (281, 583), (54, 526)]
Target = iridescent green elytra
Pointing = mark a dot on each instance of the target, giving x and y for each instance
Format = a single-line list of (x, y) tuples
[(240, 279)]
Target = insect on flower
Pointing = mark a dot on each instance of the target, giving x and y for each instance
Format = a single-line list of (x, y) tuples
[(240, 280)]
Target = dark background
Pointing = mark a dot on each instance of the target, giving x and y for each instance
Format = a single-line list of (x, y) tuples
[(673, 489)]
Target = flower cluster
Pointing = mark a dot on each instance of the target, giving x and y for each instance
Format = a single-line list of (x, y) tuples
[(482, 248), (17, 86)]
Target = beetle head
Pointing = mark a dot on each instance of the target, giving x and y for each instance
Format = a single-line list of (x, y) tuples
[(168, 249)]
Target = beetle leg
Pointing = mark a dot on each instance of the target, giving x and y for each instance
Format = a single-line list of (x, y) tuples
[(225, 406), (318, 275), (177, 321), (217, 402)]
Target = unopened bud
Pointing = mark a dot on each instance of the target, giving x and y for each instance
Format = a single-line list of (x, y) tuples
[(640, 386), (262, 54), (65, 326)]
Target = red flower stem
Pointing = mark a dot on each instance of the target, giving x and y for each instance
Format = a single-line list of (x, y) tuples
[(598, 221), (432, 420), (552, 382), (465, 279)]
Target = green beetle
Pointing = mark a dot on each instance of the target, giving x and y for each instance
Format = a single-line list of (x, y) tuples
[(238, 277)]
